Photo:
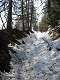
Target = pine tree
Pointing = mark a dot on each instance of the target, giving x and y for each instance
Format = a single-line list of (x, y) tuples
[(53, 10)]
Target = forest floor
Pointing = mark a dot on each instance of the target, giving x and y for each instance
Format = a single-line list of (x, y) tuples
[(37, 59)]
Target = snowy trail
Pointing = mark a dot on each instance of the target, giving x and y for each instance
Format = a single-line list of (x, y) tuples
[(35, 61)]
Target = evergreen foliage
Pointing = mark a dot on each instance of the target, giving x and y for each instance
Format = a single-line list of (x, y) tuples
[(53, 10)]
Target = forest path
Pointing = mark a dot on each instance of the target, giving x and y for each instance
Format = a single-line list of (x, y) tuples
[(34, 61)]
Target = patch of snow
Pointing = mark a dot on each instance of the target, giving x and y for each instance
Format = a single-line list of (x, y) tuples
[(41, 34), (57, 43)]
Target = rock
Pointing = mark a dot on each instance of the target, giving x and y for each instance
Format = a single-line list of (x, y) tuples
[(50, 48), (23, 42)]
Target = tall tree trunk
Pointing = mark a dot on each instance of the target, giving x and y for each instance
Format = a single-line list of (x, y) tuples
[(22, 15), (28, 14), (49, 6), (31, 15), (9, 21)]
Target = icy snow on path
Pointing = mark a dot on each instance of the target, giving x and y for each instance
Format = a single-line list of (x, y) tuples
[(34, 61)]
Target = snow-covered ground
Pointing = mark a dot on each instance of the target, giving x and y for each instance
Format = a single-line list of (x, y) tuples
[(34, 61), (40, 35)]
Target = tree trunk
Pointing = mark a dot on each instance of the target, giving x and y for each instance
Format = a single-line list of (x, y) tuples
[(9, 21), (28, 14), (31, 15), (22, 15)]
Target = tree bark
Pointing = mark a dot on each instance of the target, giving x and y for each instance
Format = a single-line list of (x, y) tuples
[(31, 15), (9, 21), (22, 15)]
